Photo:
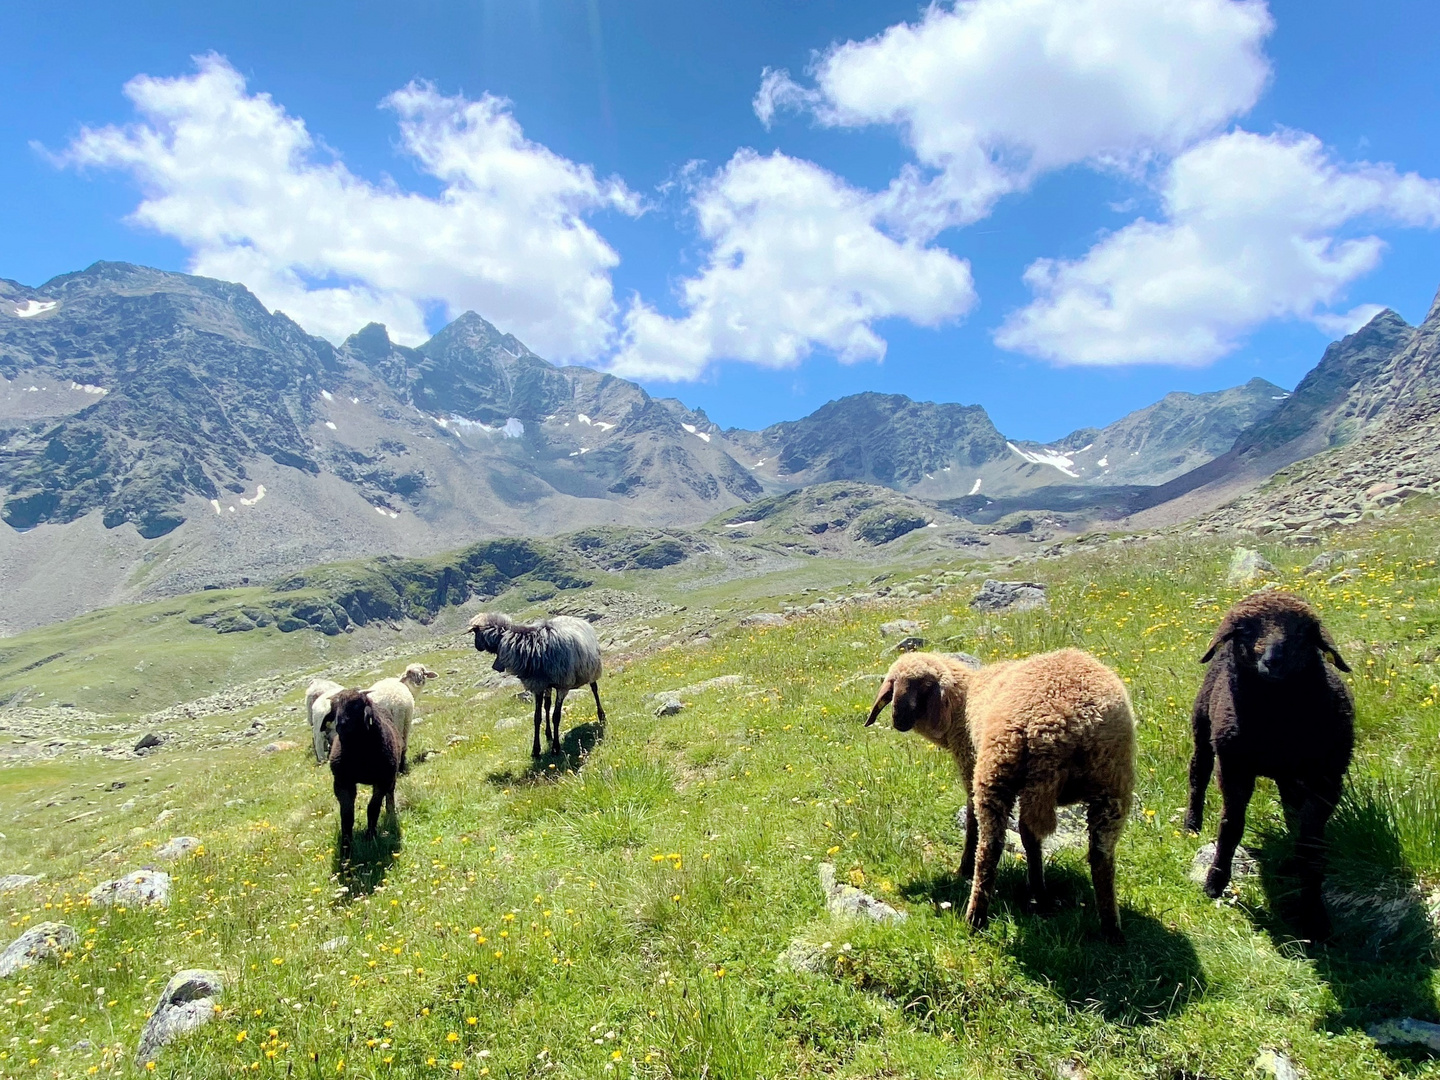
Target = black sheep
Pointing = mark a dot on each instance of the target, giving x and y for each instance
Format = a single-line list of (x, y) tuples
[(1271, 706), (367, 750)]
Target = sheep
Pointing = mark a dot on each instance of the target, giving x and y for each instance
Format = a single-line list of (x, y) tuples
[(558, 654), (395, 697), (322, 720), (367, 749), (1049, 730), (1271, 706)]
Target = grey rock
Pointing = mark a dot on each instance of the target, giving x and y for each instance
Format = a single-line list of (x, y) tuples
[(805, 957), (507, 723), (669, 705), (846, 900), (899, 628), (974, 663), (456, 740), (1242, 866), (1277, 1063), (177, 846), (1325, 562), (997, 596), (148, 741), (136, 889), (166, 815), (16, 881), (1247, 566), (1342, 576), (717, 683), (1072, 830), (40, 942), (1070, 1069), (1406, 1032), (334, 943), (186, 1003), (763, 618), (909, 644)]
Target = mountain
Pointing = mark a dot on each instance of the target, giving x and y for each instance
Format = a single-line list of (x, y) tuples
[(161, 433)]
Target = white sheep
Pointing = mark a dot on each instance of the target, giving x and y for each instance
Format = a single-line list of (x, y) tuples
[(322, 721), (394, 697)]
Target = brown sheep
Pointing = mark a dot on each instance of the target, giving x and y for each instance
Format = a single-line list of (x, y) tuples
[(1049, 730), (1271, 706), (367, 749)]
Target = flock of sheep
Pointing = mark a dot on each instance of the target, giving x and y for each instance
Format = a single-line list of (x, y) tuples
[(1033, 734)]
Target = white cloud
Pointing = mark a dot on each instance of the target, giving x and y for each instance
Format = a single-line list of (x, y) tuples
[(247, 189), (796, 262), (1344, 323), (1254, 229), (991, 93)]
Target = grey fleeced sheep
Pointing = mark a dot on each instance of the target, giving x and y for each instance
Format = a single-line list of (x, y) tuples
[(559, 654), (1045, 731), (367, 749), (1271, 706)]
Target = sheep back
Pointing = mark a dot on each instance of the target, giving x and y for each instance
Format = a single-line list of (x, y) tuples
[(562, 652), (393, 699), (318, 697)]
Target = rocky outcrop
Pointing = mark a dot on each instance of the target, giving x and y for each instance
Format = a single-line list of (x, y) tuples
[(186, 1003), (997, 596), (41, 942), (138, 889)]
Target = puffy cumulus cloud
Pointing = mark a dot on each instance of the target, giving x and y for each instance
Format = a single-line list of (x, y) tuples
[(246, 188), (991, 93), (1255, 227), (796, 261)]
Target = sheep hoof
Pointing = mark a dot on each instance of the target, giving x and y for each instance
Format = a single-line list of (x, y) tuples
[(1113, 935), (977, 920), (1215, 882), (1192, 824)]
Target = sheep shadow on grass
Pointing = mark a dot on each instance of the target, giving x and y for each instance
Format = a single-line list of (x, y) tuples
[(370, 860), (1381, 956), (1153, 975), (575, 747)]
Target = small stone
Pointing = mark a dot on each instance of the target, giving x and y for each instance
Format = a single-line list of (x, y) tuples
[(1070, 1069), (846, 900), (669, 705), (148, 741), (278, 747), (1243, 865), (1247, 566), (167, 814), (717, 683), (1277, 1063), (456, 740), (805, 957), (334, 943), (1407, 1032), (899, 628), (1325, 561), (974, 663), (1343, 575), (507, 723), (17, 881), (177, 846), (763, 618), (186, 1003), (40, 942), (136, 889), (909, 644), (997, 596)]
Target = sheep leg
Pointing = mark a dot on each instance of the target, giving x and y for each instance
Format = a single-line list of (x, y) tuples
[(372, 812), (599, 709), (1314, 814), (1034, 866), (540, 700), (345, 796), (993, 812), (555, 720), (972, 835), (1236, 787), (1202, 762), (1106, 818)]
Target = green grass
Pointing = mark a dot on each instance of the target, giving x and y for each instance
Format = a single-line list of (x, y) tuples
[(621, 914)]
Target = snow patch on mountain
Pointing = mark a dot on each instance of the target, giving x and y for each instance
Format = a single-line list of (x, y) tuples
[(1044, 456), (35, 307)]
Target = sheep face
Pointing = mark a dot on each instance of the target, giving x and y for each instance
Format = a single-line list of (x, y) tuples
[(914, 690), (1276, 635), (417, 674), (488, 630)]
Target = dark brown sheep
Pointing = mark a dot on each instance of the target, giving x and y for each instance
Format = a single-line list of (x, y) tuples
[(367, 750), (1271, 706)]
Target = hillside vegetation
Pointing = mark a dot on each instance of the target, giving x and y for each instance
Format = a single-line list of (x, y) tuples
[(620, 911)]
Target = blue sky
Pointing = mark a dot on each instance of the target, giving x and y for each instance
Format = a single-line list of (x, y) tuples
[(1220, 187)]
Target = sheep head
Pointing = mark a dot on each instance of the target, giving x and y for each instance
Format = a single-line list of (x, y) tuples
[(1277, 634), (351, 708), (416, 675), (916, 685), (488, 628)]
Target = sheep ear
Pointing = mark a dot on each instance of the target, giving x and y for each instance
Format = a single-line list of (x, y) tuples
[(1222, 635), (431, 674), (1327, 647), (887, 693)]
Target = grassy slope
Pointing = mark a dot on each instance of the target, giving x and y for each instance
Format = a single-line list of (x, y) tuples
[(623, 917)]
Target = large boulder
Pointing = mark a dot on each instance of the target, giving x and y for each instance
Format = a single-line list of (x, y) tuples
[(135, 889), (186, 1003), (177, 846), (40, 942), (996, 596), (1248, 566)]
